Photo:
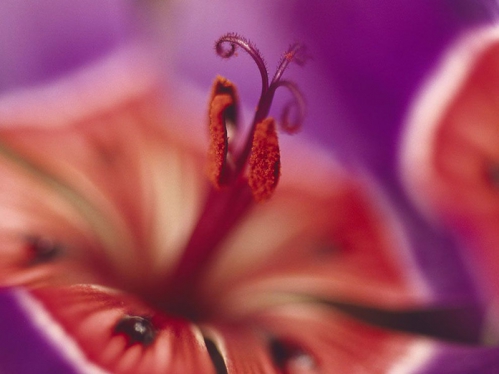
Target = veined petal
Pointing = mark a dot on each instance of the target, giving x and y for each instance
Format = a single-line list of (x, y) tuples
[(317, 339), (68, 325), (91, 154), (451, 149), (325, 234), (82, 320)]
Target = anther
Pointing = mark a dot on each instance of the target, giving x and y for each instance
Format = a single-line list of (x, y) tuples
[(223, 111), (265, 162)]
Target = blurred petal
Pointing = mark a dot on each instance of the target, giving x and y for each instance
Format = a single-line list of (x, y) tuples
[(375, 55), (450, 153), (89, 163), (330, 342), (90, 314), (326, 234)]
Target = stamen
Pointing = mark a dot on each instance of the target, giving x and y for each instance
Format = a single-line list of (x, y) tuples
[(296, 53), (264, 163), (248, 166), (297, 103), (223, 86), (223, 109), (238, 41)]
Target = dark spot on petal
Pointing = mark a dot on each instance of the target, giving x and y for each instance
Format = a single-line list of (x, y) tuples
[(327, 249), (216, 356), (43, 249), (289, 357), (492, 175), (137, 330)]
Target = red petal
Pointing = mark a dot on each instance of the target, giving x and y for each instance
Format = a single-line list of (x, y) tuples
[(90, 315), (320, 340), (89, 162), (451, 152), (326, 235)]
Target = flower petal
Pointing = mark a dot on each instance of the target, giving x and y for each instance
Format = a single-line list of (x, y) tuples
[(325, 234), (92, 154), (317, 339), (89, 315), (450, 154), (373, 57)]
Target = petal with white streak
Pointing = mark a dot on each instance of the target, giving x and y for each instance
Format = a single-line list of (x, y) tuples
[(450, 153)]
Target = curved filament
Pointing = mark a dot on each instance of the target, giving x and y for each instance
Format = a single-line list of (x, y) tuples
[(296, 104), (238, 41), (296, 53)]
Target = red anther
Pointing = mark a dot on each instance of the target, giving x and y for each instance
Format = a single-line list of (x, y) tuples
[(265, 161), (223, 109)]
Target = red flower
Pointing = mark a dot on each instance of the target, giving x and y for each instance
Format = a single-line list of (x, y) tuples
[(127, 258)]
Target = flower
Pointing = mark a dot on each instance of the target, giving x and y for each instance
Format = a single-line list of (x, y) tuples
[(105, 201), (119, 254)]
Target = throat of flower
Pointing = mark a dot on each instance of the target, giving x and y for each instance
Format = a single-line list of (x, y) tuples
[(243, 168)]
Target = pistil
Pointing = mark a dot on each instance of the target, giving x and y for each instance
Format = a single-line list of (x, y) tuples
[(239, 176)]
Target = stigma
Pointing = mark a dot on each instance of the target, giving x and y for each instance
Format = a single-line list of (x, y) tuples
[(254, 159)]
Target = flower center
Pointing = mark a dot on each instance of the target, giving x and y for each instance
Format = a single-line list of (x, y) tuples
[(242, 170)]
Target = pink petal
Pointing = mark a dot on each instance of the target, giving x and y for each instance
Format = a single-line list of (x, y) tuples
[(325, 234), (89, 163), (317, 339), (451, 150), (89, 315)]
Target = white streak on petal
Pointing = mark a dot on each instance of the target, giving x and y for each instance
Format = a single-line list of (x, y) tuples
[(418, 355), (436, 95), (55, 334)]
